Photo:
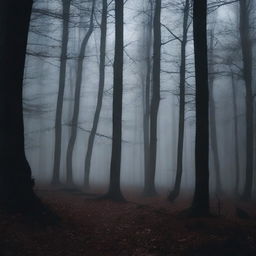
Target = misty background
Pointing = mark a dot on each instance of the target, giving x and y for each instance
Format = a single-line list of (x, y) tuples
[(41, 87)]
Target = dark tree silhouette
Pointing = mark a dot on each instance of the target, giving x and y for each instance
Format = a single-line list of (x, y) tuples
[(96, 118), (246, 44), (16, 183), (150, 189), (175, 192), (114, 191), (236, 134), (78, 85), (200, 204), (60, 99), (212, 109), (146, 95)]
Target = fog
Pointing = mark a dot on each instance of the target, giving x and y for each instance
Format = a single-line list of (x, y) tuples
[(41, 87)]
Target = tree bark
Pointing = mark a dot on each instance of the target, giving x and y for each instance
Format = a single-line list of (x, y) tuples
[(114, 191), (88, 156), (16, 183), (60, 99), (200, 204), (78, 86)]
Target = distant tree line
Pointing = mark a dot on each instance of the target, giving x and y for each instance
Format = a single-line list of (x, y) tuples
[(16, 183)]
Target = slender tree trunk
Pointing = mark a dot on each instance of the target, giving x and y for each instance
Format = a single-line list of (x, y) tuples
[(150, 189), (60, 99), (78, 86), (254, 102), (100, 92), (237, 162), (16, 183), (246, 44), (200, 204), (146, 99), (213, 128), (175, 192), (214, 141), (114, 191)]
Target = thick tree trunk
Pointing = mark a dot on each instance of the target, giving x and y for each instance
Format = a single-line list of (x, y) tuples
[(16, 184), (114, 191), (175, 192), (74, 122), (60, 99), (246, 44), (146, 99), (88, 156), (150, 189), (200, 204), (213, 127)]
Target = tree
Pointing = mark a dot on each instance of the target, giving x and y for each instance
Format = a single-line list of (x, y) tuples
[(200, 204), (150, 185), (114, 191), (78, 85), (175, 192), (246, 44), (146, 94), (60, 99), (88, 156), (236, 148), (212, 109), (16, 183)]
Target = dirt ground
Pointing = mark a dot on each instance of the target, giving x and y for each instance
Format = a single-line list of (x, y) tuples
[(140, 227)]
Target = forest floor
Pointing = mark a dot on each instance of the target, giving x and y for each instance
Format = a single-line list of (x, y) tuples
[(140, 227)]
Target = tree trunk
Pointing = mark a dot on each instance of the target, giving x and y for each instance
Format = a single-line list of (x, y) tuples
[(200, 204), (60, 99), (100, 92), (150, 189), (146, 100), (175, 192), (237, 162), (246, 44), (16, 183), (78, 85), (213, 127), (114, 191)]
